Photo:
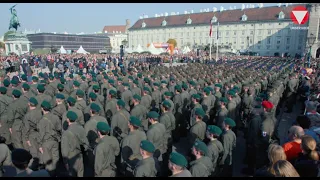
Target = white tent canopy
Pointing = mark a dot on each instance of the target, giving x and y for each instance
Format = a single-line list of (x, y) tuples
[(186, 50), (139, 49), (128, 50), (153, 50), (82, 51), (62, 50)]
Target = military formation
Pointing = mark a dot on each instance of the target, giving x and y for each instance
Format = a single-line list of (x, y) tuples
[(124, 123)]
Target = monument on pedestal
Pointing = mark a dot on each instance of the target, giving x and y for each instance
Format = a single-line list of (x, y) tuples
[(16, 42)]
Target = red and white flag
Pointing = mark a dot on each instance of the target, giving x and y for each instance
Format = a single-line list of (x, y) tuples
[(210, 33)]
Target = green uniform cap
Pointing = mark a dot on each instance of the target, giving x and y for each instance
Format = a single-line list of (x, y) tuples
[(14, 81), (71, 100), (125, 84), (72, 116), (121, 103), (178, 87), (156, 84), (6, 82), (130, 77), (3, 90), (139, 75), (93, 95), (223, 99), (80, 93), (201, 146), (24, 77), (230, 122), (76, 83), (112, 92), (137, 97), (178, 159), (51, 76), (60, 86), (35, 78), (164, 82), (95, 107), (83, 77), (166, 104), (60, 96), (25, 86), (231, 93), (167, 93), (40, 74), (94, 79), (210, 88), (258, 106), (62, 80), (153, 115), (214, 130), (41, 87), (95, 87), (46, 104), (16, 93), (192, 83), (147, 146), (200, 112), (258, 99), (71, 76), (146, 89), (146, 80), (111, 81), (43, 82), (136, 82), (196, 96), (103, 127), (135, 121), (206, 90), (184, 86), (33, 101), (218, 85)]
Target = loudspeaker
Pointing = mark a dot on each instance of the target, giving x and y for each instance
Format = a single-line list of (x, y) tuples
[(198, 52)]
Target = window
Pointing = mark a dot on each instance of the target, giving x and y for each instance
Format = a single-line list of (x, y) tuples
[(250, 40), (234, 40), (235, 33), (243, 32), (299, 48), (242, 40), (251, 24), (269, 40), (242, 47), (258, 47), (194, 34), (278, 47), (288, 40), (269, 32), (268, 47), (260, 24), (288, 47), (259, 31), (227, 33), (227, 40), (251, 32), (278, 41)]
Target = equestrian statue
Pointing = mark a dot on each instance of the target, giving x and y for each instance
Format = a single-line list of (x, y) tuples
[(14, 21)]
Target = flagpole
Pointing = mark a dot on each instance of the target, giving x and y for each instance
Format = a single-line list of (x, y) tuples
[(210, 47), (217, 43), (210, 38)]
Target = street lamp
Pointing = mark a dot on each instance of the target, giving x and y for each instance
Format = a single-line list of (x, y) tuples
[(311, 40), (248, 43)]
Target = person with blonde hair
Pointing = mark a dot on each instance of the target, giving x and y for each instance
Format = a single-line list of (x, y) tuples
[(284, 168), (275, 153), (307, 164)]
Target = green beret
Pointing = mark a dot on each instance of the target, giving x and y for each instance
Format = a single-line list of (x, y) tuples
[(196, 96), (103, 127), (218, 85), (111, 81), (125, 84), (80, 73), (167, 93), (62, 80), (60, 96), (137, 97), (223, 99), (14, 81), (24, 77), (33, 101), (147, 146), (258, 106), (184, 86), (3, 90), (130, 77), (135, 121), (35, 78), (95, 107), (93, 95), (121, 103), (230, 122), (206, 90), (178, 159), (94, 79), (166, 104), (156, 84), (201, 146), (95, 87), (210, 88), (258, 99), (83, 77), (136, 82), (153, 115), (51, 76), (80, 93), (46, 104), (152, 76), (146, 89), (41, 87), (106, 77), (60, 86), (40, 74), (171, 78), (43, 82), (119, 79), (113, 92), (71, 100), (56, 75), (178, 87), (6, 82), (16, 93), (214, 130), (72, 116), (146, 80), (76, 83), (71, 76), (164, 82), (231, 93), (192, 83), (200, 112), (25, 86), (139, 75)]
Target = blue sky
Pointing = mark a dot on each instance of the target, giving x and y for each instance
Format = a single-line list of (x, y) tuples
[(91, 17)]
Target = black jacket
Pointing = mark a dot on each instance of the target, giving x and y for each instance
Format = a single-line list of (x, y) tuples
[(306, 167)]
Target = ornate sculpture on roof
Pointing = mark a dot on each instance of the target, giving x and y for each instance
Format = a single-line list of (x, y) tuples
[(189, 20), (244, 17), (143, 24), (281, 15), (164, 22), (214, 19), (14, 21)]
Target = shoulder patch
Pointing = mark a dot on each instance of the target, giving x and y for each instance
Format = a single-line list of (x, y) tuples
[(264, 134)]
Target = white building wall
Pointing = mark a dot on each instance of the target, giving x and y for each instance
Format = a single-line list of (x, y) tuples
[(274, 37), (116, 40)]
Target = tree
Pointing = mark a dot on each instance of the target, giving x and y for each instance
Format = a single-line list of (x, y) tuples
[(172, 41), (53, 49), (124, 42), (2, 45), (5, 36)]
